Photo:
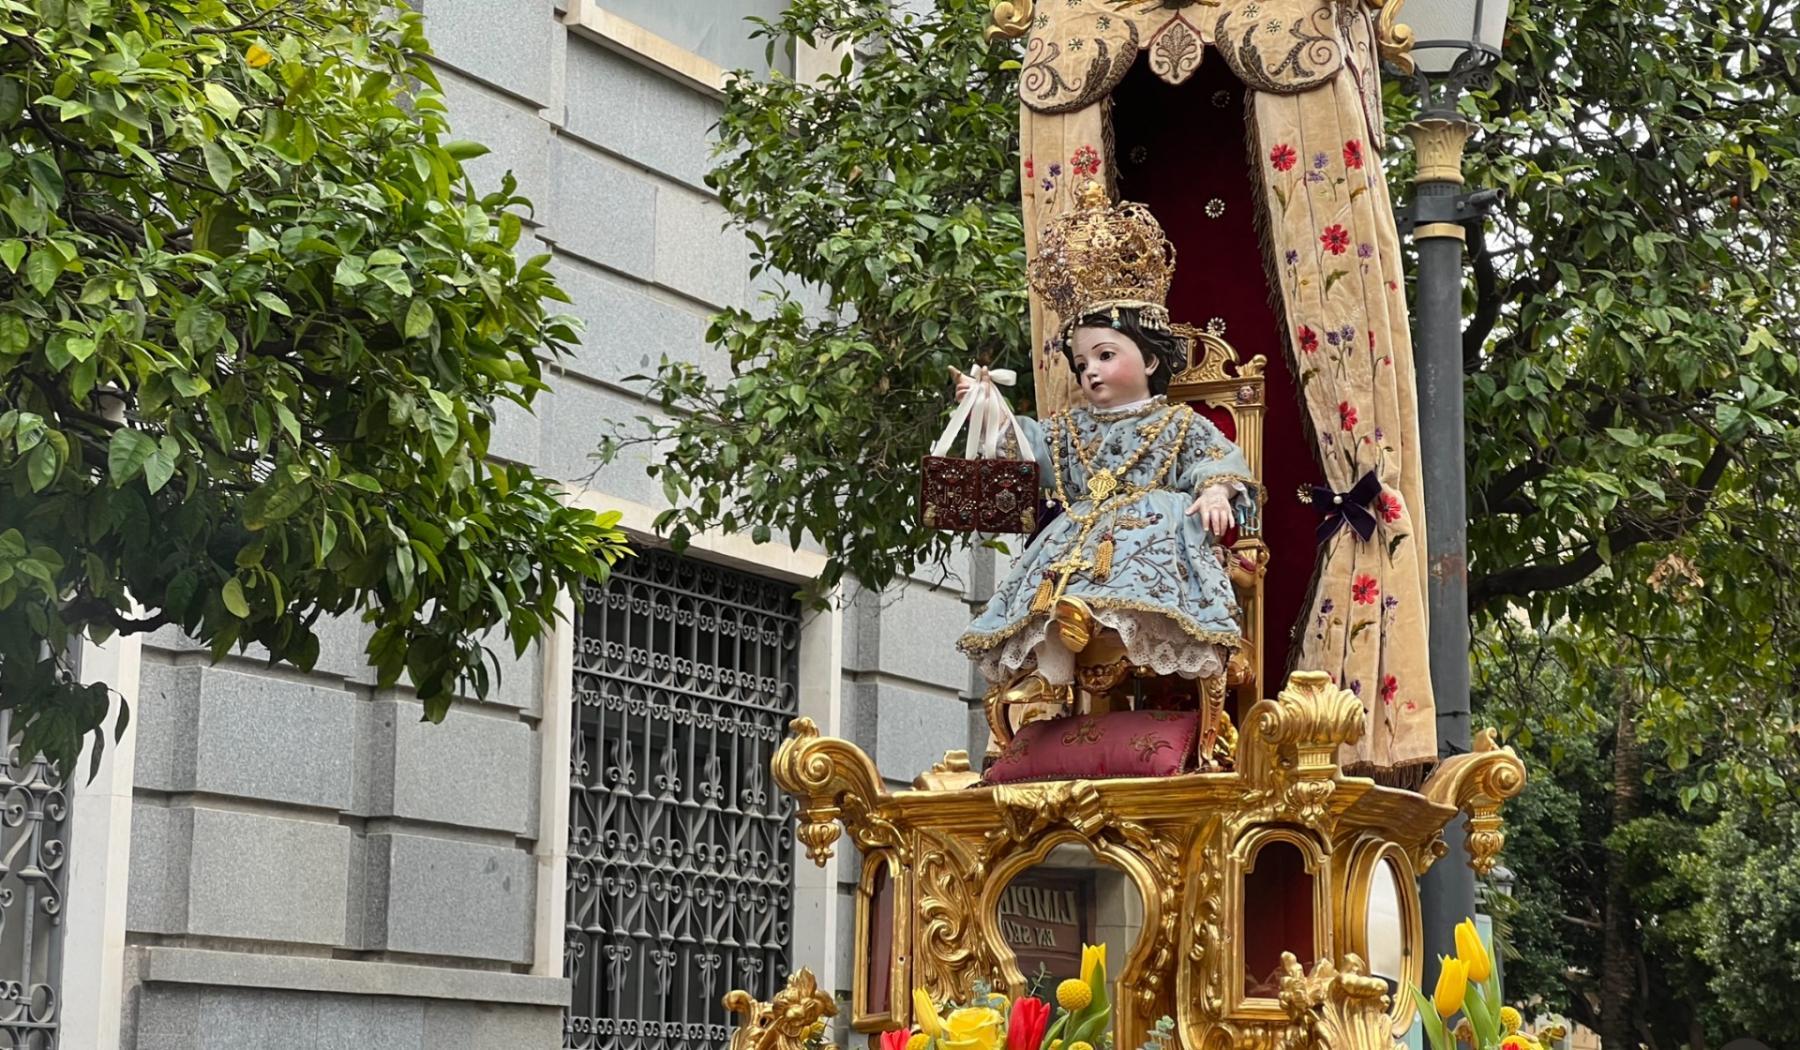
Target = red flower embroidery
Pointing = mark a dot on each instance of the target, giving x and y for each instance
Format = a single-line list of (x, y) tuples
[(1309, 339), (1353, 154), (1335, 239), (1389, 686), (1365, 590), (1086, 161), (1347, 415), (1283, 157), (1388, 505), (1030, 168), (1371, 340)]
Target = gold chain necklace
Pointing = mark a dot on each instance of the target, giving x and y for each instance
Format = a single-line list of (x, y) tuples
[(1104, 482)]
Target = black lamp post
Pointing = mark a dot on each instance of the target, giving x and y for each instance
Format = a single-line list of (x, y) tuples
[(1456, 45)]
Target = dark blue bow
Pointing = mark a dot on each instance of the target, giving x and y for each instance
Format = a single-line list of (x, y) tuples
[(1352, 507)]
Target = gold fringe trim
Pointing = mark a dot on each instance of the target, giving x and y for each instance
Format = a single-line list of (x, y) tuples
[(1407, 776), (1103, 555), (1046, 593), (973, 642)]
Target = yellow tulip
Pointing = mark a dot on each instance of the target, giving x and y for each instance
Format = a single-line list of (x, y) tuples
[(1074, 994), (258, 56), (1452, 986), (1472, 952), (918, 1041), (926, 1015), (973, 1028), (1092, 956)]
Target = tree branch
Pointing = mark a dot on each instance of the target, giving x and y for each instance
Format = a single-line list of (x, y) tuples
[(1521, 580)]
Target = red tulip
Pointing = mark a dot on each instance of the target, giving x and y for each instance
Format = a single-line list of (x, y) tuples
[(895, 1040), (1025, 1028)]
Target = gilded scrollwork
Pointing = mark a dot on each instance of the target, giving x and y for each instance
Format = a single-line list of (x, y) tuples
[(834, 782), (1287, 749), (1334, 1008), (1007, 20), (1477, 783), (1393, 38), (783, 1023), (951, 954)]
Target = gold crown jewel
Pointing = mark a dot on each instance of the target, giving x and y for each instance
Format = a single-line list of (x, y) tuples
[(1102, 257)]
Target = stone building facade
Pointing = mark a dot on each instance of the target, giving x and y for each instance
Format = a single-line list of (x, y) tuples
[(277, 859)]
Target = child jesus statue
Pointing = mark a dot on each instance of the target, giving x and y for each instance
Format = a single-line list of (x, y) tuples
[(1148, 489)]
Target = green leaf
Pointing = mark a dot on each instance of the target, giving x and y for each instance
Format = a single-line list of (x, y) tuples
[(11, 252), (219, 166), (127, 453), (161, 466), (463, 150), (418, 319), (222, 100), (43, 267), (232, 594), (42, 466)]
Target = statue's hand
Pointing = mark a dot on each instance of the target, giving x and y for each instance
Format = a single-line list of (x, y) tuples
[(964, 383), (1214, 508)]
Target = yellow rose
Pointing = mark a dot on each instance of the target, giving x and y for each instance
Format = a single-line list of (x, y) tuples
[(1081, 1045), (1452, 986), (925, 1014), (1074, 994), (973, 1028), (1092, 956), (918, 1041), (1472, 952), (258, 56)]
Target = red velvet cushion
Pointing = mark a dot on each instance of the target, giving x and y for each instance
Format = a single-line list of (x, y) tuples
[(1092, 747)]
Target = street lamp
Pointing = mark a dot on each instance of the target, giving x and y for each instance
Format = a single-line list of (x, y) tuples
[(1456, 45)]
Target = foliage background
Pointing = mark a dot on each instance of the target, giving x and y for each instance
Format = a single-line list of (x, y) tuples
[(256, 324)]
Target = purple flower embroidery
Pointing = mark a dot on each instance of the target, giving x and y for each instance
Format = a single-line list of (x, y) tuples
[(1347, 334), (1356, 687), (1377, 433), (1365, 250), (1048, 185), (1293, 257), (1389, 602), (1326, 606), (1332, 337), (1320, 160), (1055, 169), (1314, 176)]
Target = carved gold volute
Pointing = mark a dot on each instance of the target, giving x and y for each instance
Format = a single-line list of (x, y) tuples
[(1477, 783), (1288, 747)]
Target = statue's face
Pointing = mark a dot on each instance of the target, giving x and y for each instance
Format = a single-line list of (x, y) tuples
[(1110, 368)]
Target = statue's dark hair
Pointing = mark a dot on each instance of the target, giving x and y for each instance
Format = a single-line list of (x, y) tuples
[(1168, 350)]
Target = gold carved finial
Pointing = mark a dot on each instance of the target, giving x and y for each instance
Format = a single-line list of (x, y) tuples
[(784, 1023), (1098, 256), (834, 782), (1287, 748), (1335, 1008), (1007, 19), (1393, 39), (1477, 783)]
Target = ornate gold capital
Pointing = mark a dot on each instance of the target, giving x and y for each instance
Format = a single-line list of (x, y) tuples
[(1287, 749), (1439, 143), (1007, 19), (1394, 40), (834, 781), (1477, 783), (785, 1022)]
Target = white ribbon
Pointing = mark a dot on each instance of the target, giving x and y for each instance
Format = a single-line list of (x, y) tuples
[(988, 415)]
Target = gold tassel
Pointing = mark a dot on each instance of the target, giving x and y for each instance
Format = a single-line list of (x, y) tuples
[(1103, 558), (1046, 593)]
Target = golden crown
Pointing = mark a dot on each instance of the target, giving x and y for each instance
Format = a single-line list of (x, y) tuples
[(1099, 256)]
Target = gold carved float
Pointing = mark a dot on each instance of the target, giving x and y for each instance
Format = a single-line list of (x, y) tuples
[(937, 859)]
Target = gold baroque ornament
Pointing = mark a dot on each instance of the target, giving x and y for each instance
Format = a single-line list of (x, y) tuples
[(1288, 748), (783, 1023), (951, 955), (834, 781), (1477, 783), (1007, 19), (1335, 1008)]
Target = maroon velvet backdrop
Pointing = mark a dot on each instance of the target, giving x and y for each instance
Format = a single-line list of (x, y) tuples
[(1177, 148)]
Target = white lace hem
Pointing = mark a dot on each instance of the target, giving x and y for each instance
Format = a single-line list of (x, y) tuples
[(1151, 640)]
